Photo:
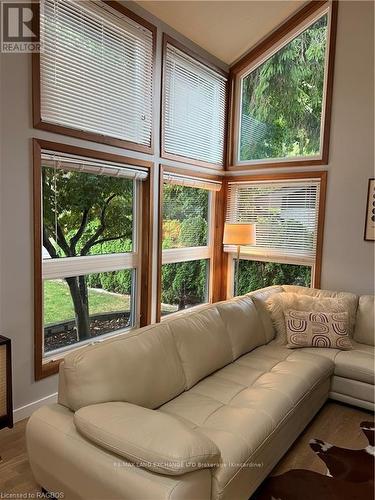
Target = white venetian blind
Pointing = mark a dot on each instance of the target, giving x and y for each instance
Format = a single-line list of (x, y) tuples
[(286, 217), (194, 108), (96, 70)]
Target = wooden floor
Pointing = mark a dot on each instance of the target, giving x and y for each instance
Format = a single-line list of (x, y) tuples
[(335, 423)]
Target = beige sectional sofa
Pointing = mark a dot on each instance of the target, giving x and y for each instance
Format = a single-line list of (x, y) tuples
[(205, 404)]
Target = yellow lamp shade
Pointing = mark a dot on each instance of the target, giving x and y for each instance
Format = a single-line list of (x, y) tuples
[(239, 234)]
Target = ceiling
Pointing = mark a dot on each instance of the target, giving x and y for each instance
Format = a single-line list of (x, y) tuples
[(226, 29)]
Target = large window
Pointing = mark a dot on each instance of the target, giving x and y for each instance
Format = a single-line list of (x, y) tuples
[(194, 103), (288, 214), (281, 96), (95, 72), (187, 219), (90, 250)]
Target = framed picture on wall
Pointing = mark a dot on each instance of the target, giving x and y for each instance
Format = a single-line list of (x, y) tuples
[(370, 212)]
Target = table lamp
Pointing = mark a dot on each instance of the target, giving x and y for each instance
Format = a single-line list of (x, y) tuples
[(239, 234)]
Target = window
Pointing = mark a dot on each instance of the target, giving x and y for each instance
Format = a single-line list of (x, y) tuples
[(255, 274), (186, 241), (288, 216), (281, 95), (89, 249), (194, 102), (95, 72)]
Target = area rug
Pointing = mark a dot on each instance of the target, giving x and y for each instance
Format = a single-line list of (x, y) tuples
[(350, 475)]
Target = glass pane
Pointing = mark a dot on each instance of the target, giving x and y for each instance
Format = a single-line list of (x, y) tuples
[(282, 100), (86, 214), (183, 285), (254, 275), (83, 307), (185, 216)]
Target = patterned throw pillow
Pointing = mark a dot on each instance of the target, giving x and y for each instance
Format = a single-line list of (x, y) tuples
[(317, 329)]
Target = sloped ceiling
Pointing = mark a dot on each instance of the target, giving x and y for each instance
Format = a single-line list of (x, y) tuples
[(227, 29)]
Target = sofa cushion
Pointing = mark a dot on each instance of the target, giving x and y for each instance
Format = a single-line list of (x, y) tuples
[(243, 324), (260, 298), (364, 327), (357, 364), (202, 343), (148, 438), (308, 329), (240, 405), (143, 368), (279, 303)]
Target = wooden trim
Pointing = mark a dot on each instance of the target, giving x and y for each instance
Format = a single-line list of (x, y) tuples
[(274, 38), (279, 176), (175, 157), (38, 123), (7, 419), (92, 153), (191, 173), (320, 236), (322, 175), (38, 283), (160, 244), (329, 84), (47, 368), (219, 257), (281, 164), (145, 282)]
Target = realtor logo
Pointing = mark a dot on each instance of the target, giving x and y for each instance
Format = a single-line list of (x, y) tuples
[(20, 27)]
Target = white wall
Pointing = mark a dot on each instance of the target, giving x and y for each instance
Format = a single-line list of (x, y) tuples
[(347, 259)]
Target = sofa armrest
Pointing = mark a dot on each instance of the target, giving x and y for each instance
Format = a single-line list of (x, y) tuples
[(149, 438)]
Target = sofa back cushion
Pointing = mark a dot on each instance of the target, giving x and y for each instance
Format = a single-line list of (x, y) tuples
[(202, 342), (260, 298), (364, 331), (142, 368), (243, 325)]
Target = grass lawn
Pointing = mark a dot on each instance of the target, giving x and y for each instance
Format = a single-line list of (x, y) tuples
[(58, 304)]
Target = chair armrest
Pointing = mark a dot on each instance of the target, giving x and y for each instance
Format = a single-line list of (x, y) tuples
[(149, 438)]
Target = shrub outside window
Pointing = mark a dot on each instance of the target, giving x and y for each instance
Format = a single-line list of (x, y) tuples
[(281, 97), (186, 242)]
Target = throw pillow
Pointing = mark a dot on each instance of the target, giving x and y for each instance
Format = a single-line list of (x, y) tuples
[(317, 329), (281, 302)]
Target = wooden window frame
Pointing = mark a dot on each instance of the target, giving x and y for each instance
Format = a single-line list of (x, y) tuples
[(215, 254), (316, 268), (239, 68), (168, 40), (38, 122), (44, 368)]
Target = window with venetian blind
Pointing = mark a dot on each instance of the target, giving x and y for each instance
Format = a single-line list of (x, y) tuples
[(194, 103), (96, 71), (89, 249), (187, 218), (286, 214)]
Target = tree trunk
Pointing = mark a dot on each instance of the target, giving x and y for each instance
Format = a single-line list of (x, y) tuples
[(79, 294)]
